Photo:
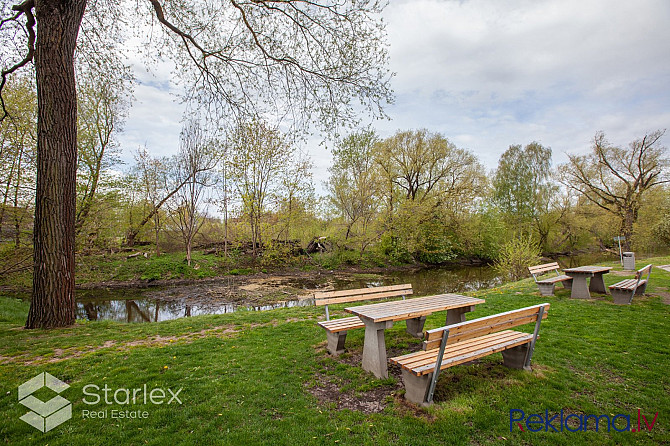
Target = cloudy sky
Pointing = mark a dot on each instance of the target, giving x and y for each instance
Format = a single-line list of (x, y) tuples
[(491, 73)]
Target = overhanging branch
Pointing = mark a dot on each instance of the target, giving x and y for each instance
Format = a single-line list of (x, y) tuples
[(24, 8)]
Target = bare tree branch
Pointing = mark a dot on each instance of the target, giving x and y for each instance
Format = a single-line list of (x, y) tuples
[(24, 8)]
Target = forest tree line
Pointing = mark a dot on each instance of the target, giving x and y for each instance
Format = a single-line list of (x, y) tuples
[(413, 196)]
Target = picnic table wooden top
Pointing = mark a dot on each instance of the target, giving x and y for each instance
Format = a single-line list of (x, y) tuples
[(411, 308), (588, 269)]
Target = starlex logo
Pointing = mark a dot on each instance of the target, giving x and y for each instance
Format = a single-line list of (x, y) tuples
[(44, 415), (577, 422)]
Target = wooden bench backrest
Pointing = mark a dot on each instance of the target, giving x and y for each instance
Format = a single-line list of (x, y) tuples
[(345, 296), (483, 326), (641, 272), (541, 269)]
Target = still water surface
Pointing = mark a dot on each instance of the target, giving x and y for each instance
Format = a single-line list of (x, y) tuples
[(145, 305)]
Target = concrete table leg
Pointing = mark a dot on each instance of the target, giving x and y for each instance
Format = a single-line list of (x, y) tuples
[(580, 289), (415, 326), (374, 348), (597, 284), (457, 315)]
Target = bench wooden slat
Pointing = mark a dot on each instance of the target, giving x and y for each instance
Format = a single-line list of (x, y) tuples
[(555, 279), (343, 324), (336, 329), (330, 297), (462, 352), (475, 325), (539, 269), (627, 284), (643, 271), (418, 357), (427, 345)]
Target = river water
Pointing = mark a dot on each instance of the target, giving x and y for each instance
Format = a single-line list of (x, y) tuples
[(151, 305)]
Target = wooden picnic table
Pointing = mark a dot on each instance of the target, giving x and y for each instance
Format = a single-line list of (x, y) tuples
[(580, 290), (379, 317)]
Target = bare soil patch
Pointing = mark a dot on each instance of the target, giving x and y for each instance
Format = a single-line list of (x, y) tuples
[(665, 297)]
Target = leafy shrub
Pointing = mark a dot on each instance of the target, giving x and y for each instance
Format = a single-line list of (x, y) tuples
[(516, 256)]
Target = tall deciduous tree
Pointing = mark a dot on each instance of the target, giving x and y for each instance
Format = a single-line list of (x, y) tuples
[(294, 57), (522, 188), (193, 169), (102, 109), (17, 156), (354, 185), (520, 182), (616, 179), (258, 156), (425, 164)]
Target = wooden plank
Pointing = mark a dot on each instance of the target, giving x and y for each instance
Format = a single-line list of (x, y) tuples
[(341, 322), (554, 279), (411, 308), (460, 337), (416, 304), (627, 284), (424, 362), (365, 296), (643, 271), (424, 357), (359, 291), (474, 355), (484, 321), (538, 269)]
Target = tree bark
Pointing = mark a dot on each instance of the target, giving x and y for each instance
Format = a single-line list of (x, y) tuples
[(53, 303)]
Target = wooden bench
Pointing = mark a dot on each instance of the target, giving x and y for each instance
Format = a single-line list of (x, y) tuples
[(624, 291), (548, 284), (336, 329), (460, 343)]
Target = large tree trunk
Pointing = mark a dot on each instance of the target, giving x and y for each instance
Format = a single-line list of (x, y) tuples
[(53, 302)]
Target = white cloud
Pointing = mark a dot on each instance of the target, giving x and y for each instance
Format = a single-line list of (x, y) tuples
[(490, 73)]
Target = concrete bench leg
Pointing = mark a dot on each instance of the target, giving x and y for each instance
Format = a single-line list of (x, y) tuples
[(457, 315), (416, 387), (621, 297), (415, 326), (515, 357), (374, 348), (336, 342), (546, 289), (567, 284), (641, 288)]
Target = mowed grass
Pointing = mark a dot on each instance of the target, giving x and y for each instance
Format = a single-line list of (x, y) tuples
[(250, 378)]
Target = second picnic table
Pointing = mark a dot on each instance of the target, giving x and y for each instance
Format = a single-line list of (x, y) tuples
[(379, 317), (580, 290)]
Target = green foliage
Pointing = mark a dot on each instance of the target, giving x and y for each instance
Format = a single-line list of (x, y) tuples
[(434, 244), (396, 252), (240, 271), (275, 254), (520, 182), (516, 256)]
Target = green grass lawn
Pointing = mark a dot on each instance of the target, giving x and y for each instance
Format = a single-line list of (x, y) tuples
[(251, 378)]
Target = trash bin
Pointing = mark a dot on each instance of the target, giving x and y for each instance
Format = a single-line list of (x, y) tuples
[(629, 260)]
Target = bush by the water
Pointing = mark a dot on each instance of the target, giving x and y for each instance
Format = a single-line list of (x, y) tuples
[(516, 256)]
